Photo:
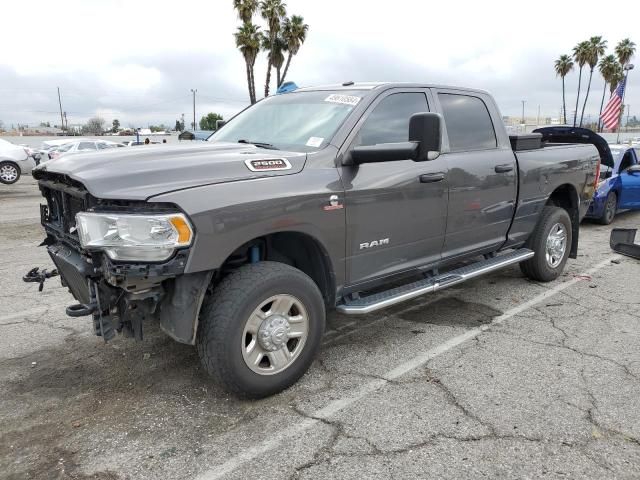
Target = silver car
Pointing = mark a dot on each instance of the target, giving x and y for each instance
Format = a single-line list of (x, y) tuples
[(14, 162)]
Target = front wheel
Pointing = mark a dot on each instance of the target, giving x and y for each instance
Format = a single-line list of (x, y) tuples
[(9, 173), (261, 328), (551, 242), (609, 209)]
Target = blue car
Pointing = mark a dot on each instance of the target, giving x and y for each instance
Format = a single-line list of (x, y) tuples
[(619, 186)]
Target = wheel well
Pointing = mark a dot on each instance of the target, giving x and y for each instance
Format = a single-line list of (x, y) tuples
[(566, 196), (297, 249)]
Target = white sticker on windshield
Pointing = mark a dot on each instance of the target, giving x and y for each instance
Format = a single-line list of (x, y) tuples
[(343, 99), (314, 141)]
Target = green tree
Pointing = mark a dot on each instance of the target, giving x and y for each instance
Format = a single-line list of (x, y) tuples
[(246, 9), (208, 122), (294, 33), (597, 47), (273, 11), (275, 56), (608, 68), (248, 42), (580, 55), (179, 126), (563, 66), (115, 126), (625, 51)]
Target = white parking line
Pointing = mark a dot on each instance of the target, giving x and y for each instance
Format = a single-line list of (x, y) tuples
[(366, 389)]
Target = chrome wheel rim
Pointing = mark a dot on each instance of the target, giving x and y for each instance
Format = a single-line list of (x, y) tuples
[(8, 173), (275, 334), (556, 245)]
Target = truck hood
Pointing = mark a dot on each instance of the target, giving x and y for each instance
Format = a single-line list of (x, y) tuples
[(140, 172)]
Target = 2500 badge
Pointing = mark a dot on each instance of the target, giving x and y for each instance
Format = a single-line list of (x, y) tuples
[(268, 165)]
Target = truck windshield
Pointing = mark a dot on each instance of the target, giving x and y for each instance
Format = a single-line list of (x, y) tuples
[(299, 121)]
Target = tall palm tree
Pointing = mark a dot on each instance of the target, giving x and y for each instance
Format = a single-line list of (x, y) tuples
[(563, 66), (294, 32), (625, 50), (616, 77), (597, 47), (580, 55), (248, 42), (607, 67), (273, 11), (275, 56), (246, 9)]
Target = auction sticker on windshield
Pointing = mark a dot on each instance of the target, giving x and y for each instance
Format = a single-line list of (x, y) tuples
[(314, 141), (343, 99)]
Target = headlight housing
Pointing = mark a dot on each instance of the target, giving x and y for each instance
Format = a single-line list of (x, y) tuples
[(146, 238)]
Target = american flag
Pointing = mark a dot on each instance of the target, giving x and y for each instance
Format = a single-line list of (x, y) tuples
[(611, 113)]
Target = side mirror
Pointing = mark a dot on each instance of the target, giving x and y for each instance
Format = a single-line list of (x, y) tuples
[(426, 129), (220, 124), (385, 152), (633, 170)]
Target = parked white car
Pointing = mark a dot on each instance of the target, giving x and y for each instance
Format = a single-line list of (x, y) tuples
[(14, 162), (86, 145)]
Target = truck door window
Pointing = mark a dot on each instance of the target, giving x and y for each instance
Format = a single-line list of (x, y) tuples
[(389, 120), (468, 122)]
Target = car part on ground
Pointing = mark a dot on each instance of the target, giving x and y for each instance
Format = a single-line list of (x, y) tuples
[(622, 240)]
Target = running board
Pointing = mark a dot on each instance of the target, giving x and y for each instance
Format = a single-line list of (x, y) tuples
[(396, 295)]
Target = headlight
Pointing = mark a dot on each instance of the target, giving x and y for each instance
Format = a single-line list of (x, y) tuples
[(150, 238)]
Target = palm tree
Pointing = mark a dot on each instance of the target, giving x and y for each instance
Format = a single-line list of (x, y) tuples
[(563, 66), (616, 77), (607, 67), (597, 47), (246, 9), (272, 11), (580, 55), (625, 50), (294, 32), (248, 42), (275, 56)]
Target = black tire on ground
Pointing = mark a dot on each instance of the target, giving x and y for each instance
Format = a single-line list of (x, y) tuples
[(225, 314), (9, 169), (538, 267), (609, 209)]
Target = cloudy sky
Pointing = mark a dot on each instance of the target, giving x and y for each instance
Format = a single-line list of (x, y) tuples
[(137, 60)]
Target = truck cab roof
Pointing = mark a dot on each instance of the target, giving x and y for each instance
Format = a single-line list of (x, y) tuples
[(383, 86)]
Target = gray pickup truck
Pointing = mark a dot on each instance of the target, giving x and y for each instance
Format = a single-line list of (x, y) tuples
[(352, 197)]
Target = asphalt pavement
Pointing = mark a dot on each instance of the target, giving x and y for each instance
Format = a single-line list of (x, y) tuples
[(500, 377)]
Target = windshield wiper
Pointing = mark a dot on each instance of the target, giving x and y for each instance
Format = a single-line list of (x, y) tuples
[(259, 144)]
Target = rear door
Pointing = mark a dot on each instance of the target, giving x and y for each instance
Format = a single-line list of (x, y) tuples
[(396, 210), (630, 184), (481, 173)]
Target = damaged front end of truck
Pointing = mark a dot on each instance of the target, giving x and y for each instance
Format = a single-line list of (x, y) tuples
[(123, 261)]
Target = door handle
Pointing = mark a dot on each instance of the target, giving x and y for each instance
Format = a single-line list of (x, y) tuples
[(507, 167), (431, 177)]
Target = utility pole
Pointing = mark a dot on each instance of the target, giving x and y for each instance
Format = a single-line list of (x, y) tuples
[(627, 68), (61, 116), (538, 119), (194, 107), (66, 122), (628, 107), (523, 102)]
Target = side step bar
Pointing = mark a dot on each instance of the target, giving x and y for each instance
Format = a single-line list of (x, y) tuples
[(396, 295)]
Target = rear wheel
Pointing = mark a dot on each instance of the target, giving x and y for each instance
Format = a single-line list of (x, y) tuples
[(9, 173), (261, 328), (551, 242), (609, 209)]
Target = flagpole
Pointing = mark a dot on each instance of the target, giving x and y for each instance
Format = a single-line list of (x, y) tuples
[(627, 67)]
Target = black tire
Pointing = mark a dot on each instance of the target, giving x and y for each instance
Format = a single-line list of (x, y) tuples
[(225, 314), (609, 209), (538, 267), (5, 169)]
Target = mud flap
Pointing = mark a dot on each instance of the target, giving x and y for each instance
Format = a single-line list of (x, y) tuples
[(622, 241), (179, 313)]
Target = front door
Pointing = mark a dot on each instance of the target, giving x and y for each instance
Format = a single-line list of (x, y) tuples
[(630, 185), (397, 210), (482, 177)]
